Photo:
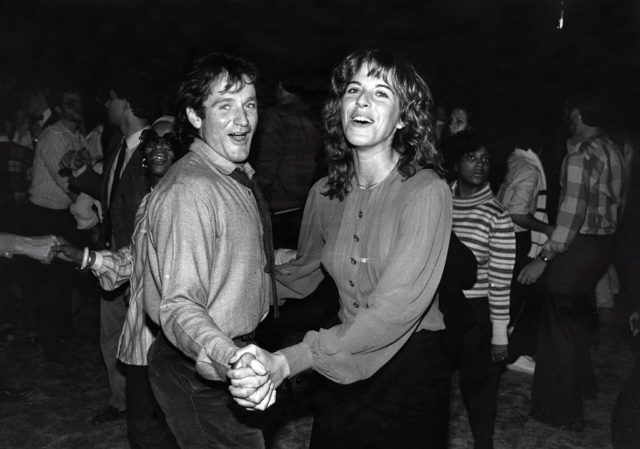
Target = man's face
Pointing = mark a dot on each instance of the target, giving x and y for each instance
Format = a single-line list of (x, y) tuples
[(574, 120), (229, 121), (115, 108), (71, 107)]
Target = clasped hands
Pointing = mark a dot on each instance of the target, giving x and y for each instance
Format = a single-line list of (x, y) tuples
[(254, 376)]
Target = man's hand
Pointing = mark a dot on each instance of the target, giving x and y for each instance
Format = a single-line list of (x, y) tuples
[(258, 392), (246, 384), (499, 353), (634, 323), (532, 271), (63, 250)]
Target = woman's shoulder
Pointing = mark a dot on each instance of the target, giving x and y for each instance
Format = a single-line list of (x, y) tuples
[(425, 179)]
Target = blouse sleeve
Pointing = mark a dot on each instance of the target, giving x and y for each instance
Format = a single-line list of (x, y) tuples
[(301, 276), (355, 350)]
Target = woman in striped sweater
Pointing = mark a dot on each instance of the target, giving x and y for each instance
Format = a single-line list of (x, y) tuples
[(483, 225)]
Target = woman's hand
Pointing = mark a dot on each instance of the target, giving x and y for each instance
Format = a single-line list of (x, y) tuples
[(68, 253)]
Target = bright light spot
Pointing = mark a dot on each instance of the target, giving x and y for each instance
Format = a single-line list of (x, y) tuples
[(561, 19)]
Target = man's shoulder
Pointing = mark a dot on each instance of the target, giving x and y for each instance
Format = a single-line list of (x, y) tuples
[(189, 176)]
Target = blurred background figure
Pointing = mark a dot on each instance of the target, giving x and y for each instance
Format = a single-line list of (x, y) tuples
[(284, 154)]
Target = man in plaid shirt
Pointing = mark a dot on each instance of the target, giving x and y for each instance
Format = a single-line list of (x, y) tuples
[(572, 261)]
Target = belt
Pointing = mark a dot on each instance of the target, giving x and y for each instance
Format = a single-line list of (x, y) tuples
[(247, 338)]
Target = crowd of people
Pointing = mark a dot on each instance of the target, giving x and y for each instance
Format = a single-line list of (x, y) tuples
[(230, 265)]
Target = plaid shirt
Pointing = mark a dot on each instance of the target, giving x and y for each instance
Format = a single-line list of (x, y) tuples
[(591, 181), (15, 173)]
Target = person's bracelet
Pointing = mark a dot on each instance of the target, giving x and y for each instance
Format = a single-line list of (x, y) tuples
[(85, 258), (92, 259), (543, 258)]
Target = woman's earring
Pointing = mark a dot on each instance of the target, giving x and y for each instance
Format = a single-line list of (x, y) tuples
[(144, 162)]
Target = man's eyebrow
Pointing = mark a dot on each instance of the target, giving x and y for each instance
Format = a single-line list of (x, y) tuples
[(228, 97)]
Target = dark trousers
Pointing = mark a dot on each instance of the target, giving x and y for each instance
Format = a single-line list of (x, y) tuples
[(49, 287), (404, 405), (518, 291), (200, 413), (479, 376), (525, 307), (146, 424), (625, 417), (564, 373)]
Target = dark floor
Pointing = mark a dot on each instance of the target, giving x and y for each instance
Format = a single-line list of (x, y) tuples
[(62, 400)]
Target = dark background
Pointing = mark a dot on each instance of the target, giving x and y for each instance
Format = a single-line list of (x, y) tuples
[(503, 59)]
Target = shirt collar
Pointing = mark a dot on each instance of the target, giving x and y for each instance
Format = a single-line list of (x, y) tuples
[(134, 139), (204, 150), (480, 197)]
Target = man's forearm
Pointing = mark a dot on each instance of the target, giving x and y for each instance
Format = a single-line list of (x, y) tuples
[(528, 221)]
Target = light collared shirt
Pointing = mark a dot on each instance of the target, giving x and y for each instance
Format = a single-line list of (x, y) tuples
[(132, 142), (203, 277), (519, 191), (591, 180), (385, 248), (48, 188)]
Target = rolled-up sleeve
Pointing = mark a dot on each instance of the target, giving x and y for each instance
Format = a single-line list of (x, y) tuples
[(356, 349), (113, 269)]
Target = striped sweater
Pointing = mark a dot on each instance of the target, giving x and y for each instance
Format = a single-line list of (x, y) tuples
[(483, 225)]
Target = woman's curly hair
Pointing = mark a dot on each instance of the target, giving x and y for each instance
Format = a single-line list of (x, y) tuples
[(414, 142)]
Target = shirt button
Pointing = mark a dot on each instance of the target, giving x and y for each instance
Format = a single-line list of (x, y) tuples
[(356, 238), (353, 261), (355, 304), (360, 214), (351, 284)]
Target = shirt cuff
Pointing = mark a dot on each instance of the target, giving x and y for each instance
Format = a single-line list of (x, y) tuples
[(97, 264), (213, 359), (499, 335), (298, 357)]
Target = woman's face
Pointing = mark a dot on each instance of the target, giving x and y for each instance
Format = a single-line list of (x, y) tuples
[(369, 111), (159, 157), (473, 168), (458, 121)]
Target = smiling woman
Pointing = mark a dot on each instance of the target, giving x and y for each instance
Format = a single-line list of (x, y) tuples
[(379, 225)]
